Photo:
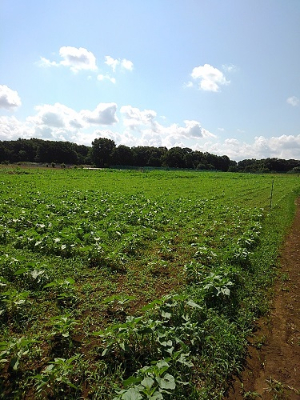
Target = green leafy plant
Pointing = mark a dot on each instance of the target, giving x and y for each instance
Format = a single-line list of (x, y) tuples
[(57, 377), (150, 382), (13, 302), (117, 305), (15, 351), (64, 290), (63, 326)]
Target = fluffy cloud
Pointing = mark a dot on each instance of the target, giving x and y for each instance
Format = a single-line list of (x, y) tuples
[(194, 130), (152, 133), (57, 116), (284, 146), (127, 64), (104, 114), (9, 98), (75, 58), (209, 78), (113, 63), (134, 118), (11, 129), (293, 101), (59, 122)]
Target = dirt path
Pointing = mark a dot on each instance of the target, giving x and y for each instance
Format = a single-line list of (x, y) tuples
[(273, 365)]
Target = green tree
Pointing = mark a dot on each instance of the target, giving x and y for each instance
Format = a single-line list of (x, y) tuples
[(123, 155), (102, 151)]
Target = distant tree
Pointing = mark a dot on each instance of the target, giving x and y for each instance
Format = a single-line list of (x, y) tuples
[(122, 155), (102, 151), (175, 158), (141, 155)]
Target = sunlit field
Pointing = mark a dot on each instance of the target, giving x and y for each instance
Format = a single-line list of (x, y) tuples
[(133, 284)]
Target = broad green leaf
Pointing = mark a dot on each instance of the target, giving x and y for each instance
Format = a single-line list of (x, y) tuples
[(192, 304), (132, 380), (156, 396), (132, 394), (167, 382), (147, 382)]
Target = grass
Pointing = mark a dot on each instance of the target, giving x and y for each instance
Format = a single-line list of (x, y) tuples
[(128, 284)]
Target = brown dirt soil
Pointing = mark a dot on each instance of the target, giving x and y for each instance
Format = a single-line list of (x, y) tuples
[(273, 365)]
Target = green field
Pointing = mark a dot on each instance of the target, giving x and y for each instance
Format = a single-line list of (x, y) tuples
[(133, 284)]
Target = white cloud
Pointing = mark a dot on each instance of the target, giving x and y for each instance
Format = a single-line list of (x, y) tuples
[(59, 122), (78, 59), (209, 78), (293, 101), (193, 130), (44, 62), (152, 133), (104, 114), (9, 98), (127, 64), (75, 58), (57, 116), (101, 77), (134, 118), (11, 129), (284, 146), (113, 63)]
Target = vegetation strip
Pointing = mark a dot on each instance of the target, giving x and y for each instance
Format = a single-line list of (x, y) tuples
[(105, 153), (132, 285)]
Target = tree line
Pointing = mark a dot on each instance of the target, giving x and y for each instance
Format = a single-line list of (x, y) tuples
[(105, 153)]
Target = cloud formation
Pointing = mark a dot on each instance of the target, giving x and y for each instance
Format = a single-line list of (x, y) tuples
[(139, 128), (57, 116), (78, 59), (134, 117), (284, 146), (59, 122), (208, 78), (104, 114), (74, 58), (293, 101), (152, 133), (9, 99), (113, 63)]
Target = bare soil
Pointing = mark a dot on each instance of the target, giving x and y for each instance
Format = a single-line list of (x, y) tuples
[(273, 365)]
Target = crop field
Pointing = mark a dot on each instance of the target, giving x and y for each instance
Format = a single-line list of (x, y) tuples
[(134, 284)]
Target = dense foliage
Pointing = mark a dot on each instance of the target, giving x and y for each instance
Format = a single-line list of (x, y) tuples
[(105, 153), (131, 284)]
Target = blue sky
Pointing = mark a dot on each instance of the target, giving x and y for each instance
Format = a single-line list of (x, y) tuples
[(213, 75)]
